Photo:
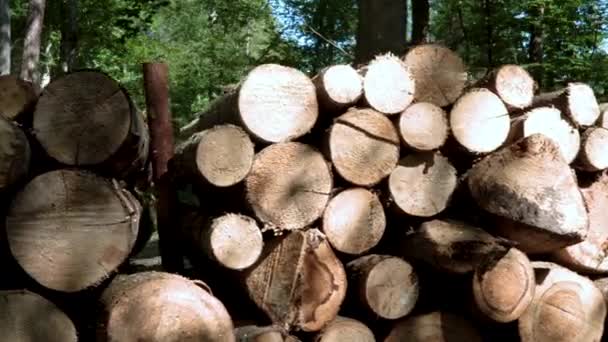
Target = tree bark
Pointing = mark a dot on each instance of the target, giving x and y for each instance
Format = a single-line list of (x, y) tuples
[(5, 37), (423, 127), (435, 326), (420, 21), (14, 154), (388, 85), (31, 43)]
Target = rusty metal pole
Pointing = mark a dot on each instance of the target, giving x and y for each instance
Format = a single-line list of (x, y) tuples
[(156, 85)]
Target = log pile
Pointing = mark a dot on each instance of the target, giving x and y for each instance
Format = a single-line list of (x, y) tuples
[(394, 201)]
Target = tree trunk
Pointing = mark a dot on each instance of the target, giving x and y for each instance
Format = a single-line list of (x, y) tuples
[(512, 84), (92, 221), (577, 101), (345, 329), (338, 87), (274, 104), (26, 316), (31, 43), (382, 28), (162, 307), (423, 127), (593, 154), (535, 46), (420, 21), (388, 85), (69, 36), (5, 37), (14, 154), (435, 326), (489, 25)]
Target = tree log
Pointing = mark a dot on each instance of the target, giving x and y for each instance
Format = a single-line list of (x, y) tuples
[(480, 121), (577, 101), (289, 185), (220, 156), (338, 87), (423, 126), (274, 103), (162, 307), (422, 184), (388, 85), (363, 146), (439, 72), (345, 329), (377, 280), (14, 154), (87, 119), (435, 326), (603, 119), (26, 316), (354, 221), (70, 229), (252, 333), (566, 307), (299, 282), (530, 183), (17, 96), (593, 154), (504, 287), (512, 83)]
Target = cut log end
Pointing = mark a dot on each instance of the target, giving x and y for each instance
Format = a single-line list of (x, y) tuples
[(338, 87), (16, 96), (423, 126), (364, 146), (388, 85), (423, 184), (289, 185), (514, 85), (354, 221), (594, 150), (435, 326), (480, 121), (345, 329), (14, 154), (234, 241)]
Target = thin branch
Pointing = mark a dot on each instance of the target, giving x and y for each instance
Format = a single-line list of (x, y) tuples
[(332, 43)]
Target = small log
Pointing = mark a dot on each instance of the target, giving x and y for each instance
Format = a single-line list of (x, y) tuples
[(289, 185), (388, 85), (452, 246), (422, 184), (354, 221), (71, 229), (549, 122), (274, 103), (26, 316), (593, 154), (435, 326), (423, 127), (338, 87), (363, 146), (162, 307), (439, 72), (576, 100), (220, 156), (566, 307), (591, 255), (87, 119), (503, 287), (252, 333), (345, 329), (512, 83), (14, 154), (298, 282), (17, 96), (480, 121), (376, 280), (530, 183), (603, 119)]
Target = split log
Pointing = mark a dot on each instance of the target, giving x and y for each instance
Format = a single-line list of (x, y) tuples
[(87, 119), (439, 72), (252, 333), (220, 156), (512, 83), (14, 154), (422, 184), (299, 282), (566, 307), (423, 126), (388, 85), (338, 87), (452, 246), (480, 121), (593, 154), (591, 255), (70, 229), (289, 185), (603, 119), (503, 287), (435, 326), (162, 307), (345, 329), (274, 103), (549, 122), (376, 280), (530, 183), (576, 100), (17, 96), (363, 146), (26, 316), (354, 221)]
